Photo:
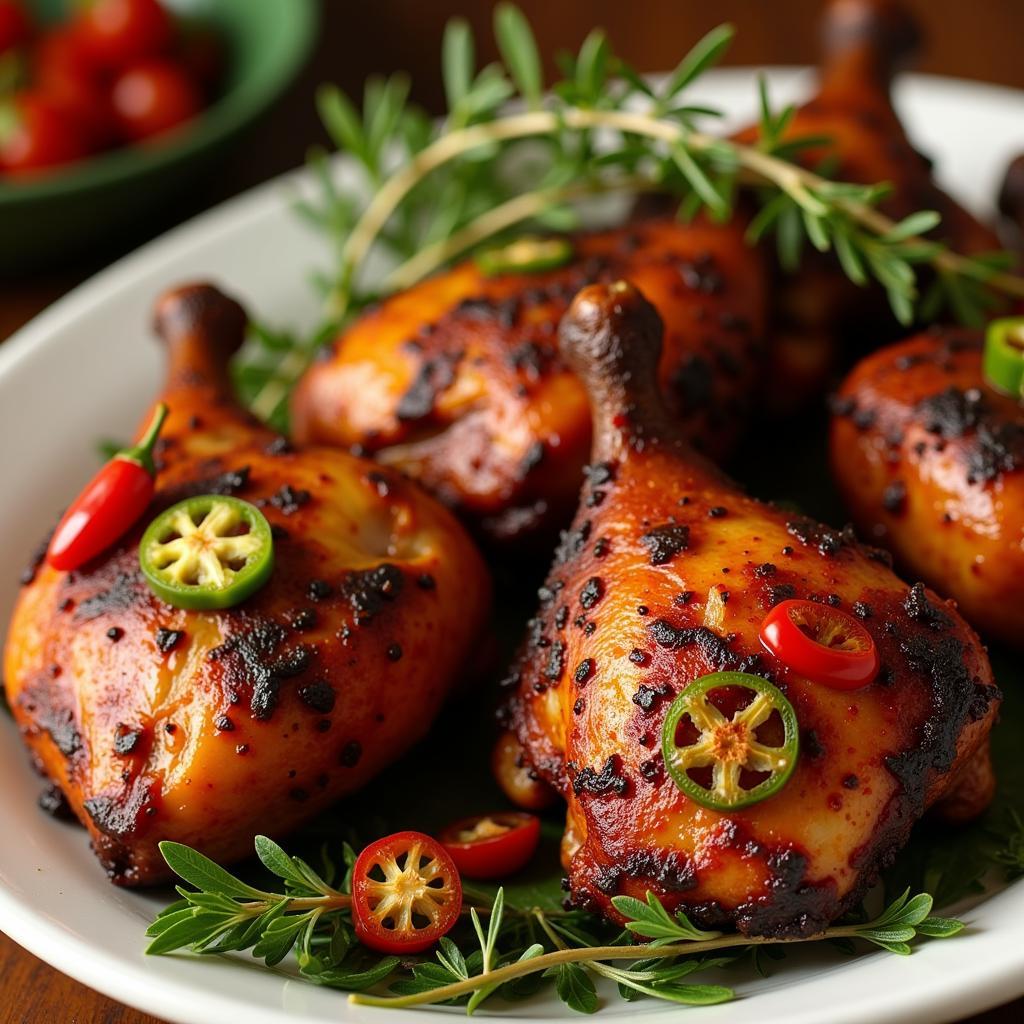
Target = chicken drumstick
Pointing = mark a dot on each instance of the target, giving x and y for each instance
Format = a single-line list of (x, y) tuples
[(666, 576), (207, 727)]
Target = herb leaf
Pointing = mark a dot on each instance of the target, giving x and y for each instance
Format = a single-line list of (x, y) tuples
[(203, 873), (576, 988)]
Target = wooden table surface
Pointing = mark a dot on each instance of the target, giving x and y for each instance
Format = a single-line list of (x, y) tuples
[(977, 40)]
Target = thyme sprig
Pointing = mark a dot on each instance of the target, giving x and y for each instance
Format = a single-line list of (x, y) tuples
[(517, 951), (507, 152)]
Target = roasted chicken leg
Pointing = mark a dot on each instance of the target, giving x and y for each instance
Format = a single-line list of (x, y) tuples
[(208, 727), (819, 313), (930, 462), (458, 381), (666, 575)]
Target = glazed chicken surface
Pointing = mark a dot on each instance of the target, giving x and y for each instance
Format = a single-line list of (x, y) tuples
[(665, 576), (930, 462), (819, 312), (209, 727), (458, 381)]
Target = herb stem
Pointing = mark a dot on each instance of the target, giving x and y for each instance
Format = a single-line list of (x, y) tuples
[(327, 902), (515, 210), (796, 181), (584, 954)]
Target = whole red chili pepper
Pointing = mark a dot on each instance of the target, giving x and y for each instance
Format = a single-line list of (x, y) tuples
[(110, 504)]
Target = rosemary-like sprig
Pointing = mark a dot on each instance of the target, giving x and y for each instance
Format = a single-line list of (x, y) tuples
[(520, 946), (435, 191)]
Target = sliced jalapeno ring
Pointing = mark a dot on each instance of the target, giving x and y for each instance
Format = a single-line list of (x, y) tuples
[(530, 254), (1003, 361), (211, 551), (736, 767)]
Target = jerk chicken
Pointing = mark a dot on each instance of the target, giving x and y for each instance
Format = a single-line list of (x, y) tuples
[(458, 381), (929, 459), (209, 727), (665, 576), (819, 312)]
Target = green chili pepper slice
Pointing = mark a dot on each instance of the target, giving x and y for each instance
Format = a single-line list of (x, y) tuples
[(1003, 362), (530, 254), (211, 551), (740, 768)]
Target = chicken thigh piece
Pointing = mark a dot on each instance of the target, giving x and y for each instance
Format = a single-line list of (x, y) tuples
[(929, 459), (666, 575), (207, 727), (458, 381), (819, 312)]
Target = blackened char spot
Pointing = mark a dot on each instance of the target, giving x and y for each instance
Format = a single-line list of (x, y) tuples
[(702, 275), (713, 648), (229, 482), (126, 739), (350, 754), (572, 542), (794, 908), (665, 542), (318, 695), (53, 802), (920, 609), (434, 376), (556, 662), (251, 660), (668, 870), (123, 815), (167, 639), (124, 593), (608, 780), (290, 499), (955, 700), (998, 449), (814, 534), (529, 359), (42, 702), (302, 619), (369, 590), (952, 412), (592, 592), (584, 670), (647, 697)]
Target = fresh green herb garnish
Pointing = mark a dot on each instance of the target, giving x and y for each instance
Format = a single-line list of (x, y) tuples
[(516, 949), (433, 191)]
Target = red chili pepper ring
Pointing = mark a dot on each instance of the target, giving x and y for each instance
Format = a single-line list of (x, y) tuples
[(822, 643)]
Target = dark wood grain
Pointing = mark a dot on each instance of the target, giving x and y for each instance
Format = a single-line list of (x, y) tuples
[(971, 40)]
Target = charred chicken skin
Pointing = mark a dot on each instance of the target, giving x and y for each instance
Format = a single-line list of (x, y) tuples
[(930, 462), (665, 576), (820, 312), (209, 727), (458, 381)]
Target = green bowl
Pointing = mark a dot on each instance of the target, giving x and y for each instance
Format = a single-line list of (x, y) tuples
[(65, 212)]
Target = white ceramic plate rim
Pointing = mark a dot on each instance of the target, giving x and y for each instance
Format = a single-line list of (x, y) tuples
[(983, 967)]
